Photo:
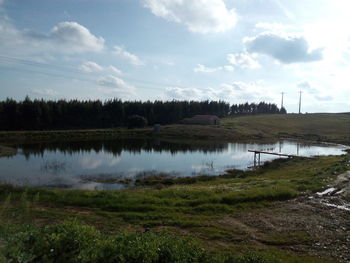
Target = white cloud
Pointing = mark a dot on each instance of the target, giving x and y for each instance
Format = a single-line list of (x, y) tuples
[(239, 91), (306, 86), (183, 93), (199, 16), (236, 92), (284, 48), (273, 26), (284, 9), (114, 82), (229, 68), (243, 60), (74, 37), (115, 70), (66, 37), (203, 69), (324, 97), (317, 92), (93, 67), (129, 57), (90, 66), (112, 86), (45, 92), (9, 35)]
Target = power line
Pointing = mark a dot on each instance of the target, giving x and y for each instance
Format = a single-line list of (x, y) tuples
[(66, 69)]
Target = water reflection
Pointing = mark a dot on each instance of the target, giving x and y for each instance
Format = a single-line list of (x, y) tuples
[(116, 147), (116, 164)]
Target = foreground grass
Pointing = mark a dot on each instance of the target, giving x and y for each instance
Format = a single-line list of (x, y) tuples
[(193, 209), (72, 242)]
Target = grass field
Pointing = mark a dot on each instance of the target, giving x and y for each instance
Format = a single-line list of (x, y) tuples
[(196, 209), (318, 127), (263, 215)]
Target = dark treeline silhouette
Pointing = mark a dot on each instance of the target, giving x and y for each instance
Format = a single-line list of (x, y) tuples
[(254, 108), (116, 147), (74, 114)]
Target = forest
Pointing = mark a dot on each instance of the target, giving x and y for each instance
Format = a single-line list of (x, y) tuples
[(88, 114)]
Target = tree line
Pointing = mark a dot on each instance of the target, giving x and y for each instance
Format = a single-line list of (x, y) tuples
[(75, 114)]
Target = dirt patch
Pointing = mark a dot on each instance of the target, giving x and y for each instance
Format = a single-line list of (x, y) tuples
[(301, 226)]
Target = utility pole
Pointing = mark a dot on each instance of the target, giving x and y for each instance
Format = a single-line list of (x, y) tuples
[(300, 102), (282, 100)]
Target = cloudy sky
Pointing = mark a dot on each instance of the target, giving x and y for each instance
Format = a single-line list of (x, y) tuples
[(232, 50)]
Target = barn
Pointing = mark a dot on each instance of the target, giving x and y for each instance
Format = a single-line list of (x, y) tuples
[(202, 120)]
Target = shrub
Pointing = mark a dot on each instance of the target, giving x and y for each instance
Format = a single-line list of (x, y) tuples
[(70, 242), (136, 121)]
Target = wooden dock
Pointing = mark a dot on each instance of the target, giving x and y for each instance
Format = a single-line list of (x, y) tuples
[(258, 153)]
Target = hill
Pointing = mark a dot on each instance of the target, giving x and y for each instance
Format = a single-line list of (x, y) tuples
[(331, 127)]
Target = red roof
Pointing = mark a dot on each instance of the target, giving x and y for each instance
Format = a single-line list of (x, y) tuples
[(205, 117)]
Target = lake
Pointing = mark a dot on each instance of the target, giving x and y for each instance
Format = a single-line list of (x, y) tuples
[(115, 164)]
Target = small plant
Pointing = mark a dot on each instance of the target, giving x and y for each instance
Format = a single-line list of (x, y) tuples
[(4, 208)]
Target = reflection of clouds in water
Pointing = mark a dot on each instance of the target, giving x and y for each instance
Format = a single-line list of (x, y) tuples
[(199, 167), (91, 163), (240, 156), (114, 162), (54, 167), (43, 170), (319, 151), (98, 186), (135, 170)]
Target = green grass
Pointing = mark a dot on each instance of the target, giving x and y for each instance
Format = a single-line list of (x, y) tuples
[(194, 209), (72, 135), (277, 181), (7, 151), (186, 206), (72, 242), (330, 127)]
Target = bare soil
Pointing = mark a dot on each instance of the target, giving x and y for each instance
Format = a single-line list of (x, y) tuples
[(317, 225)]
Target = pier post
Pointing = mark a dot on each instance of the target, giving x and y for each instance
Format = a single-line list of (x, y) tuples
[(254, 159)]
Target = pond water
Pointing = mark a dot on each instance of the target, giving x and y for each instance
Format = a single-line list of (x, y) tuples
[(116, 164)]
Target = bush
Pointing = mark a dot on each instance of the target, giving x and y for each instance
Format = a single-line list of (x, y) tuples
[(136, 121), (71, 243)]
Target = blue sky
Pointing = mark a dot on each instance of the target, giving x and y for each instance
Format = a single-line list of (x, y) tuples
[(232, 50)]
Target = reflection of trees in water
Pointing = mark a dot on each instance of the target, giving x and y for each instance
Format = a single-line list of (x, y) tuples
[(53, 167), (117, 146)]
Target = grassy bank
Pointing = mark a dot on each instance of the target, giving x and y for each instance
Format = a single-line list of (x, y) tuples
[(7, 151), (316, 127), (329, 127), (196, 209), (75, 135), (242, 216)]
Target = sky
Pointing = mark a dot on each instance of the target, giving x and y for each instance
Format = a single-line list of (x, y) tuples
[(232, 50)]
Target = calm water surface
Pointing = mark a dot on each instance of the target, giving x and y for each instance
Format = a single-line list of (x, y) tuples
[(116, 164)]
